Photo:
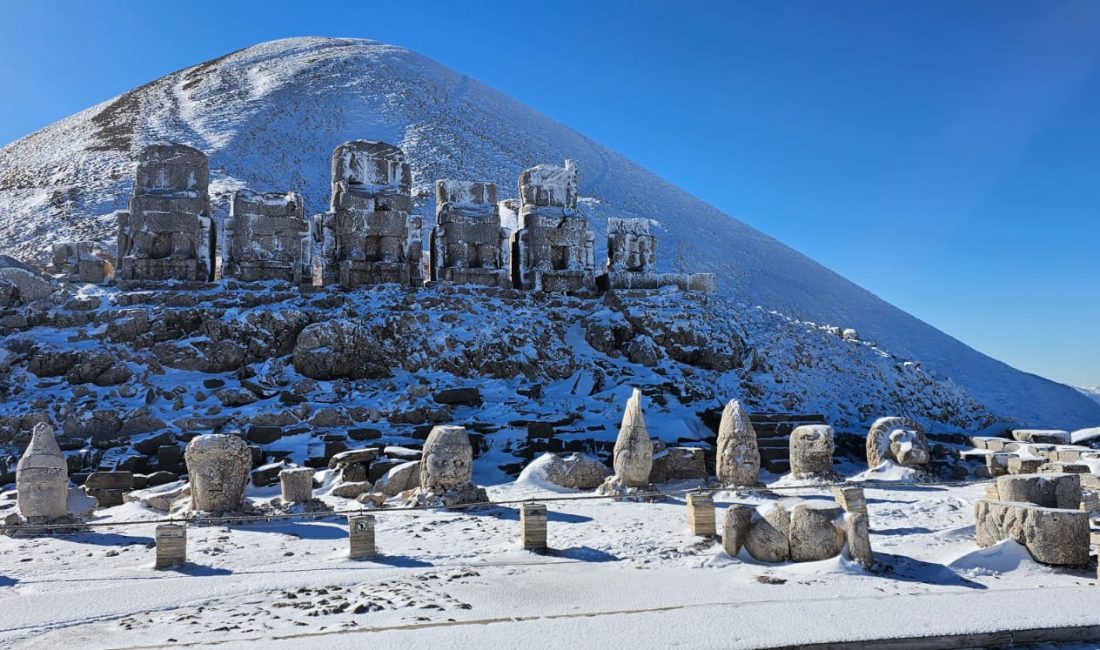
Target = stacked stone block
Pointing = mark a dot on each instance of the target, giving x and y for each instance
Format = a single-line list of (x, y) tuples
[(369, 236), (80, 261), (167, 234), (553, 250), (468, 244), (267, 238), (632, 261)]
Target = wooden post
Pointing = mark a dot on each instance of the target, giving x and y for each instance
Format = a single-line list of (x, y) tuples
[(701, 515), (171, 545), (532, 525), (361, 536)]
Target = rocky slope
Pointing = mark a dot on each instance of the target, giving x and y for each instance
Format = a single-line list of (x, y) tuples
[(270, 115), (121, 374)]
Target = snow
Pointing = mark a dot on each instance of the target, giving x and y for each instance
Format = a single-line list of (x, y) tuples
[(617, 574), (304, 96)]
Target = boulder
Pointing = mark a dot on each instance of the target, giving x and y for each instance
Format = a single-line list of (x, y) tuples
[(469, 396), (9, 294), (400, 478), (352, 457), (351, 490), (575, 470), (31, 284)]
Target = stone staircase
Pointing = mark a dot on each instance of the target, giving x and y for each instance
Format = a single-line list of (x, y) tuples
[(773, 434)]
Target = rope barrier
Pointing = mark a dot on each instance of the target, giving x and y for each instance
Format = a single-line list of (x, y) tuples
[(29, 530)]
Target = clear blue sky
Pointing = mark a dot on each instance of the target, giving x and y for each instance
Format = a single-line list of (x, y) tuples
[(944, 155)]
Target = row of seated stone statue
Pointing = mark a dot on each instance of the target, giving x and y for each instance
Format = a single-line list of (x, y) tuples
[(369, 235)]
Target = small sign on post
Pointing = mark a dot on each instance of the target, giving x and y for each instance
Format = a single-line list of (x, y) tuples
[(532, 525), (701, 515), (361, 536), (171, 545)]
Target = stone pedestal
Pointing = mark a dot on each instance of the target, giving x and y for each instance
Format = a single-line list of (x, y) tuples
[(361, 537), (171, 545), (851, 498), (857, 529), (296, 484), (700, 511), (532, 525)]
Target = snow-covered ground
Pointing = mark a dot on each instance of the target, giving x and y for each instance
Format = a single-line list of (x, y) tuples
[(270, 115), (618, 575)]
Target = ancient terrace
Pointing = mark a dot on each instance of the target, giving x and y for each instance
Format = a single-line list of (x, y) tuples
[(369, 235)]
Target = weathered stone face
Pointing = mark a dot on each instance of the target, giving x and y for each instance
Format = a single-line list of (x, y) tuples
[(267, 237), (737, 457), (468, 245), (42, 478), (448, 459), (899, 440), (167, 233), (369, 237), (811, 451), (217, 467), (553, 250), (633, 454)]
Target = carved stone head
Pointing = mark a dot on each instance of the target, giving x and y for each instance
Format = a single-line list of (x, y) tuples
[(448, 459)]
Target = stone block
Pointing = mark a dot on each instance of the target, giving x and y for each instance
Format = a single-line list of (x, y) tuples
[(851, 498), (1051, 436), (1047, 490), (296, 485), (1024, 465), (857, 531)]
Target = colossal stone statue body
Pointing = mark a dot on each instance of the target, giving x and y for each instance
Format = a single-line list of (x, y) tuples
[(899, 440), (632, 261), (737, 456), (167, 233), (267, 238), (368, 235), (446, 470), (42, 479), (468, 244), (217, 468), (553, 250)]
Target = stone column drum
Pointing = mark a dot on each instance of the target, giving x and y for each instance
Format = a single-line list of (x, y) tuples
[(361, 537), (700, 511), (296, 484), (532, 524), (171, 545)]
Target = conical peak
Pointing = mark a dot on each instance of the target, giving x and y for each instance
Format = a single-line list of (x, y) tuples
[(735, 420)]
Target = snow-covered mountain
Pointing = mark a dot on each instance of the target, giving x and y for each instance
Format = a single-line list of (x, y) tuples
[(270, 115), (1092, 392)]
